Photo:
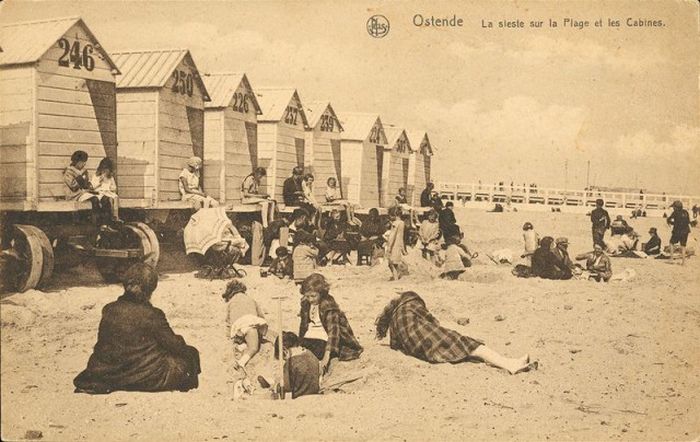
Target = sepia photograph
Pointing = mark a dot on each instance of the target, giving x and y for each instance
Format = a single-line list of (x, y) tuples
[(349, 221)]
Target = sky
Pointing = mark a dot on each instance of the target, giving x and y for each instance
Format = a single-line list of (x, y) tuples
[(509, 104)]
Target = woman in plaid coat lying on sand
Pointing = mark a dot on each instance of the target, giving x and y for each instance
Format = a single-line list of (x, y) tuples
[(415, 332)]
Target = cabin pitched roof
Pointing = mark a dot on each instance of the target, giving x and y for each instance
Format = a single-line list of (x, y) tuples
[(222, 86), (393, 133), (315, 109), (358, 125), (416, 138), (274, 101), (26, 42), (152, 68)]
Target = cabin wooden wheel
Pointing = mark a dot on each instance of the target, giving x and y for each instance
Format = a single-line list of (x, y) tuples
[(115, 252), (28, 263)]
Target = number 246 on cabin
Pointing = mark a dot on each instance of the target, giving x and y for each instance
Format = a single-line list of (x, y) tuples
[(73, 54)]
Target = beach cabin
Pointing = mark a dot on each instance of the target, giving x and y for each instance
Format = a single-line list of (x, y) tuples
[(396, 155), (323, 146), (281, 135), (230, 135), (160, 124), (57, 95), (362, 144), (419, 164)]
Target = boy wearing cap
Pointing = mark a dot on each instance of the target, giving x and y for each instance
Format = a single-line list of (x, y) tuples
[(680, 220), (653, 246), (190, 189), (600, 222)]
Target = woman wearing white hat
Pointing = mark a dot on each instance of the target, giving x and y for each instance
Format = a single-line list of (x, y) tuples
[(190, 188)]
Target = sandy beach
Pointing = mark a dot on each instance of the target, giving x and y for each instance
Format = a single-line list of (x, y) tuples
[(616, 361)]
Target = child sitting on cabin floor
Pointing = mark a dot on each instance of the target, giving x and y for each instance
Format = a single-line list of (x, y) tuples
[(430, 235), (531, 240), (395, 246), (304, 256), (457, 257), (246, 322), (324, 328), (333, 197), (103, 183), (190, 187), (251, 194), (78, 188), (282, 265)]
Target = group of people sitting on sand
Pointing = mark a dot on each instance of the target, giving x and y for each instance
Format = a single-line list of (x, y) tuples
[(548, 258), (624, 241), (137, 350)]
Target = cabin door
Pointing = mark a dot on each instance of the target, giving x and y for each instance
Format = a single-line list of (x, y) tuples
[(299, 146), (195, 118), (380, 173), (335, 151), (251, 131)]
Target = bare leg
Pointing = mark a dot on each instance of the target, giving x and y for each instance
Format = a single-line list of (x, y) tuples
[(491, 357), (394, 272), (682, 248), (252, 340), (264, 209)]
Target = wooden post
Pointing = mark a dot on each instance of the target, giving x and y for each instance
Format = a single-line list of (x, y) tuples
[(280, 347), (257, 252)]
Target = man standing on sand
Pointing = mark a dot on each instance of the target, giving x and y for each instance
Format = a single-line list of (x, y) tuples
[(680, 220), (600, 222)]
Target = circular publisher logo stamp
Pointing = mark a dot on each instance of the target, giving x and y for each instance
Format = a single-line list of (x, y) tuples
[(377, 26)]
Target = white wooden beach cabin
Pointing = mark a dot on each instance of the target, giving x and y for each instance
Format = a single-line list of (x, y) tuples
[(362, 145), (323, 146), (160, 110), (57, 95), (281, 135), (396, 159), (419, 164), (230, 135)]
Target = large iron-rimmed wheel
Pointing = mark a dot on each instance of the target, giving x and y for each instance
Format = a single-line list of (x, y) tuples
[(153, 242), (131, 236), (46, 252), (24, 260)]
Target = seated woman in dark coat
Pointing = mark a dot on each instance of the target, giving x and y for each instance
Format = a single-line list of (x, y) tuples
[(136, 349), (371, 235), (416, 332), (335, 238), (545, 263)]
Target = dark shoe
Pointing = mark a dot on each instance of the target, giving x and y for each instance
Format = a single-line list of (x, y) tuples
[(263, 382)]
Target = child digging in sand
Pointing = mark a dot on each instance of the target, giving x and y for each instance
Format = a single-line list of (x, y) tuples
[(457, 258), (246, 322)]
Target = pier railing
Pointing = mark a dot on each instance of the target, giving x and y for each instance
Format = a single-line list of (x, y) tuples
[(471, 192)]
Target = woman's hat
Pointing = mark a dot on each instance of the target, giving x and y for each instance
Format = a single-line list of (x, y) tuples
[(562, 240)]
